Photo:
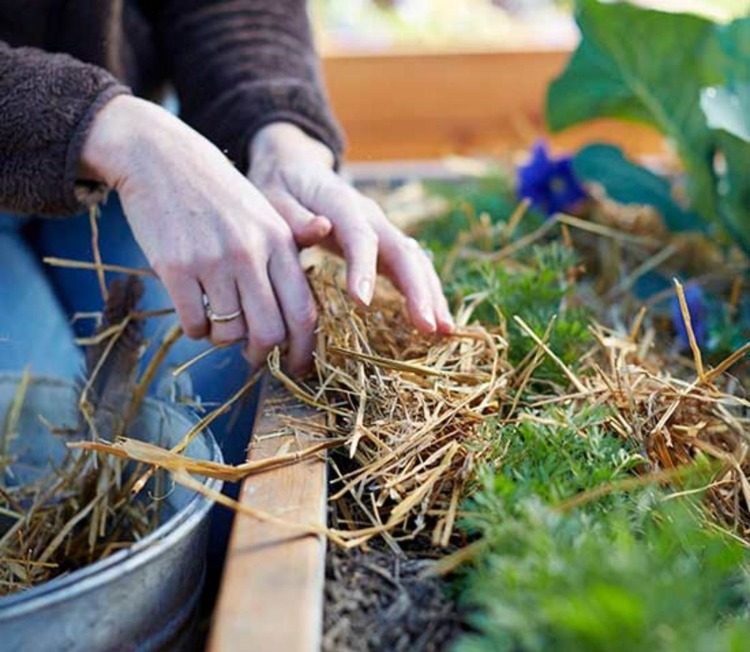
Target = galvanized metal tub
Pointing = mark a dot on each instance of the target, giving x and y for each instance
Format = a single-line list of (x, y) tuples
[(142, 598)]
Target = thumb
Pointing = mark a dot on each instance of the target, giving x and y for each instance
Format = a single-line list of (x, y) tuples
[(307, 228)]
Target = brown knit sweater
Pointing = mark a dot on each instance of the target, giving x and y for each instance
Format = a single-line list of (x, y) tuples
[(236, 65)]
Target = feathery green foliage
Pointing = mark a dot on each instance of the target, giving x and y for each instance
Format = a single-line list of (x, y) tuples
[(633, 569), (629, 571)]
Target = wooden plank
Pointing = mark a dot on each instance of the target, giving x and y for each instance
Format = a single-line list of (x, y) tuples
[(426, 105), (271, 597)]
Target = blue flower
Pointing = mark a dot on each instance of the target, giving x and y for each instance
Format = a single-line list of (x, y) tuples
[(696, 303), (549, 183)]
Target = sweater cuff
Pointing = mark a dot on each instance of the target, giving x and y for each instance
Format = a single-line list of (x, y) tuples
[(80, 193), (233, 120)]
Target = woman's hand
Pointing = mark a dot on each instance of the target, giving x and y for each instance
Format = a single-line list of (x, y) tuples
[(205, 230), (295, 173)]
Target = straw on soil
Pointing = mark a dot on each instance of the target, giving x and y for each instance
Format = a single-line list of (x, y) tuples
[(410, 407), (407, 411)]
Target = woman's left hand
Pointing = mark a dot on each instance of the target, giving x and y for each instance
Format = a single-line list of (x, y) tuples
[(295, 173)]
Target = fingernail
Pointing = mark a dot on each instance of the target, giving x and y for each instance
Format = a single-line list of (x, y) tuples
[(428, 317), (322, 224), (447, 323), (364, 290)]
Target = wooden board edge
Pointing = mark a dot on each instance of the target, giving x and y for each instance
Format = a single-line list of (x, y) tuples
[(271, 595)]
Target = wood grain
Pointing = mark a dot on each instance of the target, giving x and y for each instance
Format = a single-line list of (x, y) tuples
[(425, 105), (271, 597)]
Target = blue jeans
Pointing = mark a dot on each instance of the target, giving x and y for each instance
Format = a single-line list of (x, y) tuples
[(37, 302)]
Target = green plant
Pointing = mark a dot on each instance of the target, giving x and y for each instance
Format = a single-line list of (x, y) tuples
[(629, 571), (682, 74), (538, 291), (493, 195)]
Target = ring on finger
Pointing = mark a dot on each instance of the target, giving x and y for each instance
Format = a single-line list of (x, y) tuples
[(215, 317)]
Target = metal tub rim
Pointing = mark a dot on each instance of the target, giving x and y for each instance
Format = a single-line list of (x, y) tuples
[(89, 577)]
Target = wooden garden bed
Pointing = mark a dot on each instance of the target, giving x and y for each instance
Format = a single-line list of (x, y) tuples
[(407, 105), (272, 591)]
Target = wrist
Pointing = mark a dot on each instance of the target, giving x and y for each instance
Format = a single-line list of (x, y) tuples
[(123, 127), (282, 142)]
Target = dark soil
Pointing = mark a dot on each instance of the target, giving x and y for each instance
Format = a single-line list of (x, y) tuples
[(378, 601)]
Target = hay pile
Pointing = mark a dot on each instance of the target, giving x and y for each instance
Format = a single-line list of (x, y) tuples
[(409, 407), (405, 415)]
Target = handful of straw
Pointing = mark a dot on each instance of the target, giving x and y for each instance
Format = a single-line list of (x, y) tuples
[(410, 409)]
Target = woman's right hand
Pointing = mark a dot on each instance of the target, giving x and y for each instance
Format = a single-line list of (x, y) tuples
[(205, 230)]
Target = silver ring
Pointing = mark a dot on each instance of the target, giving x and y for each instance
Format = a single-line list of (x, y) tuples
[(216, 318)]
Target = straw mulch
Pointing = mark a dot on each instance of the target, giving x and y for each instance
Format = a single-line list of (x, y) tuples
[(410, 410), (409, 407), (405, 416), (675, 421)]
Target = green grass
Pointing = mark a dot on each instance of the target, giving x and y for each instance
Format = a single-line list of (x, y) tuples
[(538, 292), (535, 287)]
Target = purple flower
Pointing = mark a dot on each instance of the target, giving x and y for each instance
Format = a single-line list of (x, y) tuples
[(696, 303), (549, 183)]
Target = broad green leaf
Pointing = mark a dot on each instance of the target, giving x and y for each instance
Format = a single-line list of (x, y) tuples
[(728, 109), (629, 183), (727, 112), (734, 42), (648, 66), (734, 189)]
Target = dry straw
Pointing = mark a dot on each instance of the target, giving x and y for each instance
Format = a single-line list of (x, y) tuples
[(81, 510), (406, 415), (410, 408), (406, 410)]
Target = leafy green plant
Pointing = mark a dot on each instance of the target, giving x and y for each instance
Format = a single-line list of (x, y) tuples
[(630, 571), (535, 285), (493, 195), (681, 74), (537, 292)]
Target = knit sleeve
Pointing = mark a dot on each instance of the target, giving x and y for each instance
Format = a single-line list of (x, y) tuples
[(240, 64), (47, 104)]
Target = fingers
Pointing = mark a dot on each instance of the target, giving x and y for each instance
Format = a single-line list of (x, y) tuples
[(307, 228), (223, 299), (412, 271), (265, 324), (365, 236), (298, 308), (402, 258), (445, 323), (357, 240), (187, 297)]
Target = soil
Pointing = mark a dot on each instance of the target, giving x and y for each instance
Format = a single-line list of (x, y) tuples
[(378, 601)]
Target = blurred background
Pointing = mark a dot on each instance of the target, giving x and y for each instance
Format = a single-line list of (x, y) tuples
[(426, 79)]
